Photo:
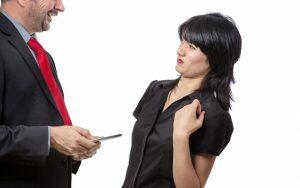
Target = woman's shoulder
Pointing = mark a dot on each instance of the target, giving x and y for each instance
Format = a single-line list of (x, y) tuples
[(163, 82), (216, 131), (214, 111), (214, 106), (156, 83), (149, 94), (153, 87)]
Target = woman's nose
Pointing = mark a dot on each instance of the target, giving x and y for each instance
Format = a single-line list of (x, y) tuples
[(180, 50)]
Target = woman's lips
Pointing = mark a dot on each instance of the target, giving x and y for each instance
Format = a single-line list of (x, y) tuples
[(179, 61)]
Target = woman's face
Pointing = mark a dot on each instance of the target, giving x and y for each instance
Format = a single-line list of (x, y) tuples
[(191, 61)]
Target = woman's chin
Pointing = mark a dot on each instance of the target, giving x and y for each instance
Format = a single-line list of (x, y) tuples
[(179, 69)]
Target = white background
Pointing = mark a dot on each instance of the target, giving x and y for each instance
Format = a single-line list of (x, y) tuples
[(107, 52)]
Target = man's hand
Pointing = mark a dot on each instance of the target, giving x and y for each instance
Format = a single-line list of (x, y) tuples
[(73, 141), (85, 155), (186, 121)]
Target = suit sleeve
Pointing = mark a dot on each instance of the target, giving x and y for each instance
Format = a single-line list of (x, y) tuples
[(20, 143)]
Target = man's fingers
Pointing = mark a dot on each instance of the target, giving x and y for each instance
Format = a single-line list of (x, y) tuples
[(87, 144), (94, 149), (84, 144), (97, 146), (83, 132), (72, 141), (79, 157), (77, 148), (76, 157)]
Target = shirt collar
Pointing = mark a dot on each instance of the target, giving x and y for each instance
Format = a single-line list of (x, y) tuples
[(198, 94), (168, 84), (25, 35)]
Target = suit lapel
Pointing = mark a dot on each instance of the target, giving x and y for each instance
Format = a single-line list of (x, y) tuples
[(54, 72)]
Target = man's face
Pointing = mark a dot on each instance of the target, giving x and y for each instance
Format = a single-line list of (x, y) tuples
[(40, 13)]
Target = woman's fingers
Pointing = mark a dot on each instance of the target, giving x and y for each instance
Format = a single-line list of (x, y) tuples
[(200, 119), (197, 108), (189, 118)]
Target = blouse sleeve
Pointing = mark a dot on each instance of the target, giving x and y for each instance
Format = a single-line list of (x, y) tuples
[(213, 136), (144, 98)]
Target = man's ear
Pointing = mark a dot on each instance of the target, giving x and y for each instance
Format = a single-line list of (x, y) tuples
[(23, 3)]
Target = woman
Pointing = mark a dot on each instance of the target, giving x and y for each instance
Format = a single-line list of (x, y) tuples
[(169, 149)]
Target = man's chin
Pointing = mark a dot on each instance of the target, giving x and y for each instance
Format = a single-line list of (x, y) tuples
[(46, 27), (42, 28)]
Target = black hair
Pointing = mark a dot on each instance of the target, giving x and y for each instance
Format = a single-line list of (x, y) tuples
[(219, 39)]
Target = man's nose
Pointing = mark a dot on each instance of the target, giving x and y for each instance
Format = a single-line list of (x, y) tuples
[(59, 6)]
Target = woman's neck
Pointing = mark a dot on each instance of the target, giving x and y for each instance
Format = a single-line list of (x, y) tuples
[(187, 86)]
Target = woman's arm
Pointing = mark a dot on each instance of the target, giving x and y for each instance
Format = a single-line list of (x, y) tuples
[(188, 173), (203, 164)]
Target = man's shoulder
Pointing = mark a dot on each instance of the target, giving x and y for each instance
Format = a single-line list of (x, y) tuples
[(4, 42), (5, 33), (3, 37), (6, 27)]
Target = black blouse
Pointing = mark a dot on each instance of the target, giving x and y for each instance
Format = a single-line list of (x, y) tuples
[(151, 156)]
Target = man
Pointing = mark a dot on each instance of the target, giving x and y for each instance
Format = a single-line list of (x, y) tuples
[(38, 146)]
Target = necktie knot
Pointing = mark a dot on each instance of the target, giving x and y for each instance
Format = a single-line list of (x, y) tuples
[(35, 45)]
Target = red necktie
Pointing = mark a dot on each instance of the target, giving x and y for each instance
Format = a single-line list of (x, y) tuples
[(42, 59)]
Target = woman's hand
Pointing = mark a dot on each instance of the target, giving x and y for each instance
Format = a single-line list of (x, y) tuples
[(186, 121)]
